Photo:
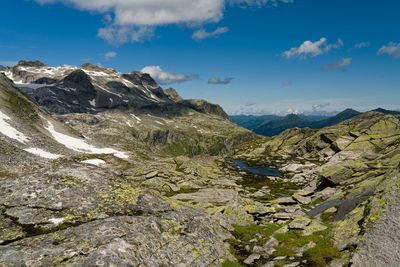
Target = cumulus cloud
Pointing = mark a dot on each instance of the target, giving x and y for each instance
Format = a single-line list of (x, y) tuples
[(293, 111), (203, 34), (165, 77), (135, 20), (392, 49), (110, 55), (215, 80), (338, 65), (312, 49)]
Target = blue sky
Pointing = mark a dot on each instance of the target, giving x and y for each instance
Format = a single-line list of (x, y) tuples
[(250, 56)]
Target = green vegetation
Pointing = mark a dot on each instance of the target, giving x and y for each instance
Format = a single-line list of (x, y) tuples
[(228, 263), (244, 234), (321, 254)]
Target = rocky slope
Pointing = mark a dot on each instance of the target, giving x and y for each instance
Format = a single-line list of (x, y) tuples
[(89, 191), (348, 184), (150, 186)]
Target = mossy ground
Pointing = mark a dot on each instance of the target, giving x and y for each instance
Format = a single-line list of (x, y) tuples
[(244, 234)]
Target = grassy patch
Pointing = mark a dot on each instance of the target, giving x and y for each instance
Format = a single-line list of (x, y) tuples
[(320, 255), (228, 263), (283, 251), (243, 235)]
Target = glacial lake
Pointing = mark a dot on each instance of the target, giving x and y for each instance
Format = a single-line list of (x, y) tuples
[(258, 170)]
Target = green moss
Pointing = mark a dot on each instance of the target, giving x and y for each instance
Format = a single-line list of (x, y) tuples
[(228, 263), (320, 255), (283, 251), (326, 216), (243, 234), (19, 105)]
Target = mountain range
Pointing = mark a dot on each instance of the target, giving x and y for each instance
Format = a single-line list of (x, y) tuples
[(270, 125), (100, 168)]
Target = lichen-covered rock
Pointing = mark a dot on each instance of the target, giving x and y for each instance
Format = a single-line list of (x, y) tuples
[(79, 215), (299, 223), (379, 246)]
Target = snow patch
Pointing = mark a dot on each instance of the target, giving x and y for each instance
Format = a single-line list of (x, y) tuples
[(96, 162), (8, 130), (41, 153), (93, 102), (57, 221), (137, 118), (80, 145)]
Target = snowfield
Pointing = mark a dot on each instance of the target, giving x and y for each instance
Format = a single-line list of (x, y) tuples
[(9, 131), (41, 153), (96, 162), (80, 145)]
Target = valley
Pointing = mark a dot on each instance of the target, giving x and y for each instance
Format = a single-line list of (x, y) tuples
[(112, 170)]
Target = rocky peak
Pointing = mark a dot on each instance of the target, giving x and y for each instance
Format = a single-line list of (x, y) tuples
[(31, 63), (91, 67), (78, 77), (173, 95), (140, 77)]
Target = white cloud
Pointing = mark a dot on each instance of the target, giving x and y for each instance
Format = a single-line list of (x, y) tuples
[(392, 49), (135, 20), (202, 34), (110, 55), (215, 80), (312, 49), (316, 107), (360, 45), (338, 65), (164, 77)]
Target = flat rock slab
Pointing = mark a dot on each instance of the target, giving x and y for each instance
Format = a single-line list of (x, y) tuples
[(210, 195), (299, 223), (284, 201)]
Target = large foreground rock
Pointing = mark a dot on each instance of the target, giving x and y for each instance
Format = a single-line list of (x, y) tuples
[(85, 216)]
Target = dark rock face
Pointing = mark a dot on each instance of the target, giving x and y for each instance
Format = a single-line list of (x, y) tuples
[(62, 97), (31, 63), (45, 80), (172, 94), (91, 89)]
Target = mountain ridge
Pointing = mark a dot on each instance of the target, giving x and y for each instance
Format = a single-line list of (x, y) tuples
[(90, 88)]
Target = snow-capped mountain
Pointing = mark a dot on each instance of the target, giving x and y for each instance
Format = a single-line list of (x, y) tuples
[(88, 89)]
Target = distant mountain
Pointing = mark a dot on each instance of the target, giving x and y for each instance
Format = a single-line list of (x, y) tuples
[(313, 117), (385, 111), (276, 127), (342, 116), (291, 121), (251, 121)]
